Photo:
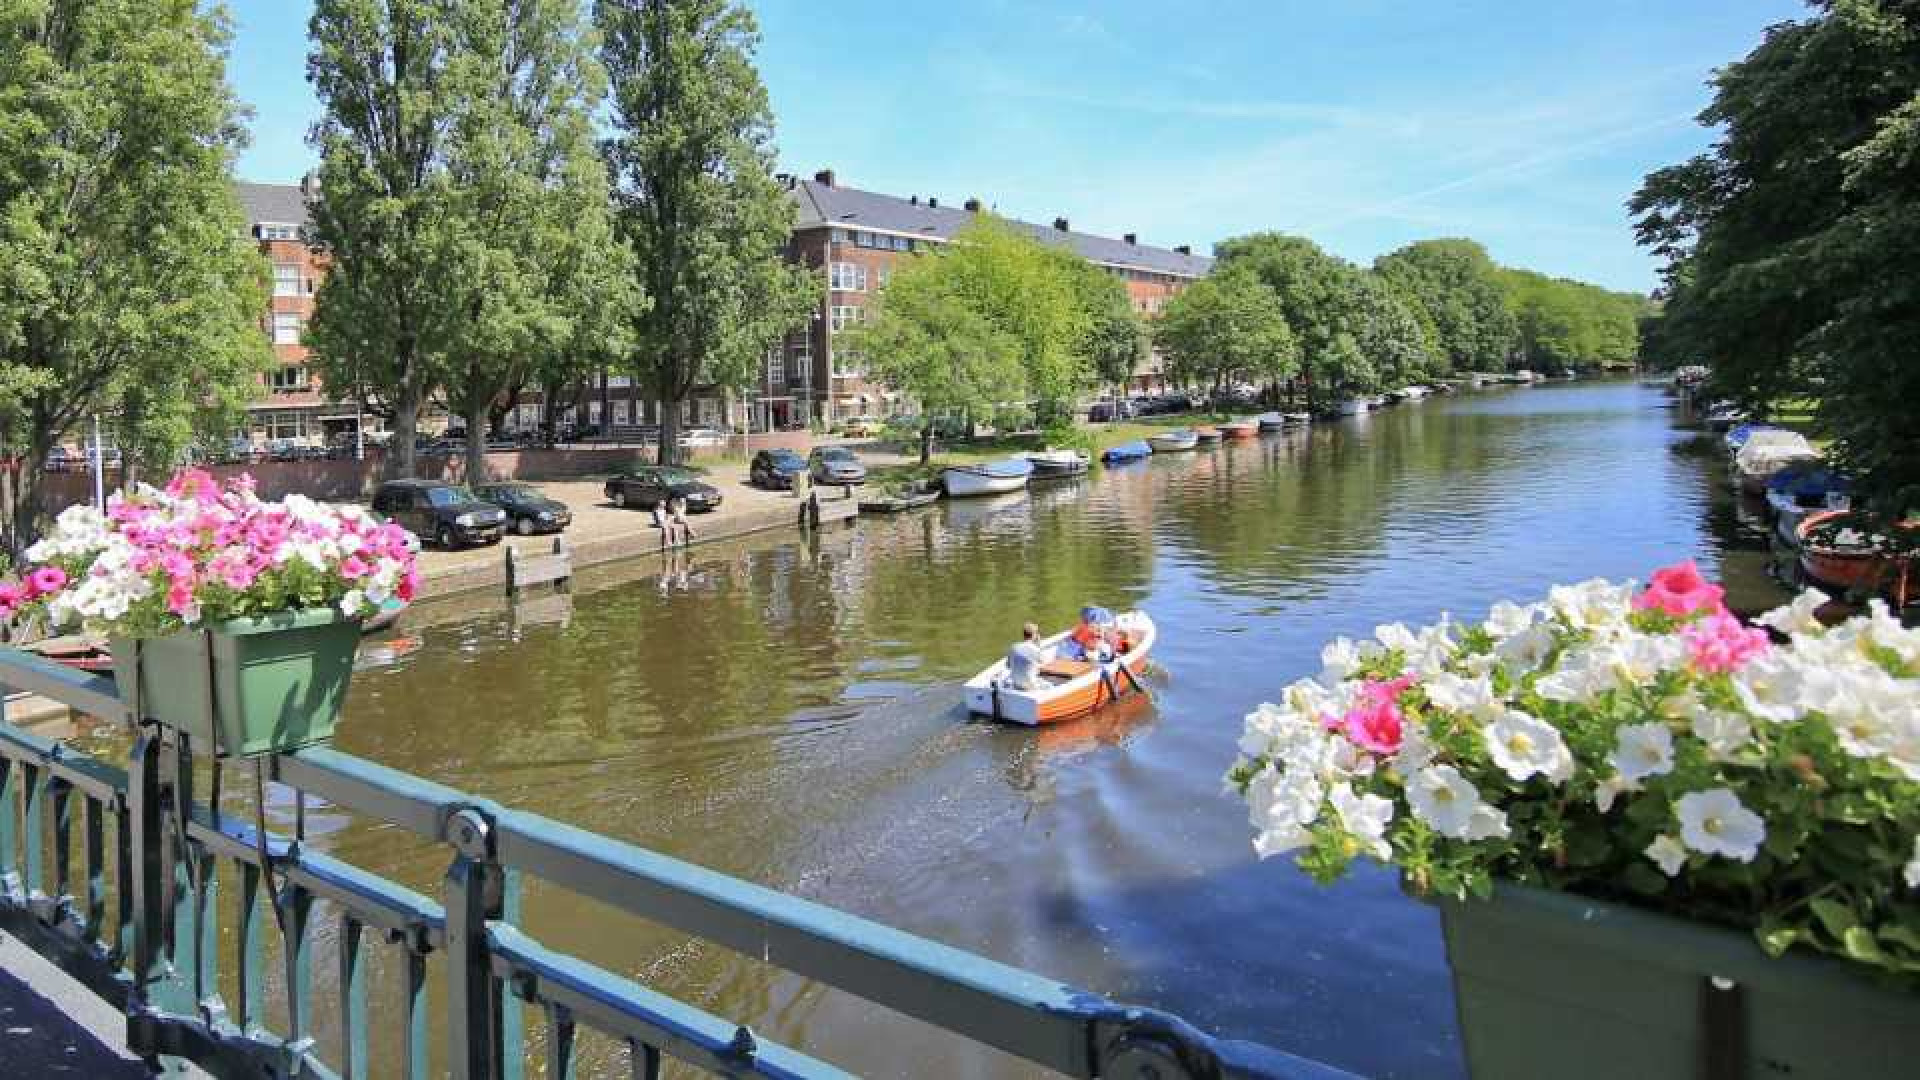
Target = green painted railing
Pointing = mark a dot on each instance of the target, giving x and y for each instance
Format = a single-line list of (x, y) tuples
[(157, 849)]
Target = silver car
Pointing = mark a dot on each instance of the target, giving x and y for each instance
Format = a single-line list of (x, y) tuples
[(835, 465)]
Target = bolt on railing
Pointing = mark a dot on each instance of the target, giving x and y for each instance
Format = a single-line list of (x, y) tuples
[(159, 956)]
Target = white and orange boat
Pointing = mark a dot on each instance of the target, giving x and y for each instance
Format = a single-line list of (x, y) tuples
[(1069, 688)]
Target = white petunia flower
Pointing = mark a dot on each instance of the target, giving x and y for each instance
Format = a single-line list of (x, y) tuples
[(1642, 750), (1668, 854), (1450, 804), (1449, 691), (1606, 791), (1713, 822), (1365, 817), (1507, 619), (1525, 746), (1270, 842), (1528, 649), (1416, 751), (1797, 617), (353, 603), (1579, 680), (1598, 606), (1725, 733), (1283, 798)]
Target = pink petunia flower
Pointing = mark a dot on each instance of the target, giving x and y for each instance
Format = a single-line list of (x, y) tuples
[(353, 568), (45, 580), (180, 597), (193, 483), (1679, 590), (1721, 642), (1375, 725)]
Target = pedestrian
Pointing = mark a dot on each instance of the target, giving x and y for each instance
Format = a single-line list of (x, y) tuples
[(664, 523), (680, 521)]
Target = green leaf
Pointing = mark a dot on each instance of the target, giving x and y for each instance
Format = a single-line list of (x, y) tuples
[(1835, 917), (1861, 946)]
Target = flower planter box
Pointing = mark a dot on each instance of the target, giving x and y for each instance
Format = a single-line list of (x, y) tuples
[(1549, 984), (245, 686)]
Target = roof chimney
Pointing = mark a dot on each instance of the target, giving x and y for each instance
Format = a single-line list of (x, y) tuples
[(1185, 249), (914, 199), (824, 176), (1060, 223), (1131, 239), (973, 206), (310, 185), (933, 203)]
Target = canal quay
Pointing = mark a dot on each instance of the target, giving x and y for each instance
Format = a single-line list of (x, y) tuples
[(787, 710)]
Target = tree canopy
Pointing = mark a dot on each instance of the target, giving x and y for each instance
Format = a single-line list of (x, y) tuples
[(1790, 244), (1227, 327), (1456, 288), (1565, 324), (126, 290), (692, 156)]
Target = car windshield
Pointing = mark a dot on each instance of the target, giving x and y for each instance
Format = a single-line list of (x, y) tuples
[(788, 459), (448, 496), (509, 491), (836, 453), (677, 476)]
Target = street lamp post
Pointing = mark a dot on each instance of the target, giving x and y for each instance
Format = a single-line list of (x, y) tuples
[(99, 467)]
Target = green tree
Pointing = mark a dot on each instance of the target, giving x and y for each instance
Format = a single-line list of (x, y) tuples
[(386, 213), (930, 338), (126, 287), (1564, 324), (707, 221), (526, 217), (1227, 326), (1457, 288), (1315, 289), (1790, 244), (1389, 333)]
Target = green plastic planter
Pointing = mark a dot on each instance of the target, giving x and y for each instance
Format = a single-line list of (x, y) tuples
[(245, 686), (1553, 985)]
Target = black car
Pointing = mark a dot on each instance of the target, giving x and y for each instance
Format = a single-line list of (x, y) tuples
[(528, 511), (447, 514), (647, 485), (775, 469)]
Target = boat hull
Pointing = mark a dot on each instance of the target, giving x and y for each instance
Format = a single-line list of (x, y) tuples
[(1353, 407), (1070, 698), (1239, 431), (1127, 451), (967, 484), (1057, 464), (1272, 422), (1208, 435), (1173, 442)]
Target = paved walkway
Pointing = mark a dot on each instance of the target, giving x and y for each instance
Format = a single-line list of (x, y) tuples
[(53, 1026)]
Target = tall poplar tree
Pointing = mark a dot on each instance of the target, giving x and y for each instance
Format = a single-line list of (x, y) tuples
[(384, 314), (697, 199), (527, 220), (127, 288)]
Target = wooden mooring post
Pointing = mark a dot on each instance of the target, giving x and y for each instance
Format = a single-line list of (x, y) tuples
[(525, 571)]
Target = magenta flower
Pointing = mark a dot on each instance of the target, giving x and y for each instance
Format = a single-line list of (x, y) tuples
[(1679, 590), (1721, 642), (193, 483), (353, 568), (180, 597), (1375, 725), (46, 579)]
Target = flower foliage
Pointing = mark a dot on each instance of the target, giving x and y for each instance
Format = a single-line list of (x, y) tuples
[(159, 561), (1635, 745)]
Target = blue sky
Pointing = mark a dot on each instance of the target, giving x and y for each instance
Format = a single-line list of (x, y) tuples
[(1364, 124)]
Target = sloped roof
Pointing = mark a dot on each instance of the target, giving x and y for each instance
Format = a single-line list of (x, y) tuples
[(852, 208), (279, 204)]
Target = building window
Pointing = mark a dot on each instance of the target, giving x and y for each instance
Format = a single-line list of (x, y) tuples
[(841, 316), (847, 277), (882, 275), (279, 232), (846, 364), (286, 328), (902, 243), (776, 367), (839, 236), (286, 279), (287, 380)]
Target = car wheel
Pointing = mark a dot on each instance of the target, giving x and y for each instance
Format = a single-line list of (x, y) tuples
[(445, 536), (524, 526), (620, 498)]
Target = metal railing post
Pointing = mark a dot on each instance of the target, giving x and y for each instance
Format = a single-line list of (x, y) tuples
[(484, 1020), (157, 986)]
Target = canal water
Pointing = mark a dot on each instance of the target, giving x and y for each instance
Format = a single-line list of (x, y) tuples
[(785, 712)]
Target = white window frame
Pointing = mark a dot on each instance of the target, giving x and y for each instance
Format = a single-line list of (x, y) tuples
[(847, 277), (287, 326), (287, 280), (291, 379), (777, 367), (846, 364), (841, 316)]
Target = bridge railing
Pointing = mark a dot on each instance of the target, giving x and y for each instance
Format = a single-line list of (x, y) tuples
[(197, 991)]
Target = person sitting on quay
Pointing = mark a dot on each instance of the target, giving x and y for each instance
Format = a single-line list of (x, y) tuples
[(680, 524)]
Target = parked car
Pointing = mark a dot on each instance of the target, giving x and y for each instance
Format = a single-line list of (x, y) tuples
[(647, 485), (836, 465), (863, 427), (528, 511), (447, 513), (703, 436), (1102, 412), (61, 459), (775, 469)]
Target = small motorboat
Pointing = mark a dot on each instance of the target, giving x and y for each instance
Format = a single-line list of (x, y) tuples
[(1803, 489), (988, 478), (1766, 453), (1411, 393), (1843, 549), (1737, 436), (1169, 442), (1126, 451), (1272, 421), (1296, 418), (1207, 434), (1069, 688), (1239, 429), (1353, 406), (1058, 464)]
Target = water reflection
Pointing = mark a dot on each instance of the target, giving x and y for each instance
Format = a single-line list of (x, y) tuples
[(787, 712)]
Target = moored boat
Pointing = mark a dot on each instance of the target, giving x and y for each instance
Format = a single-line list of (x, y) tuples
[(1068, 688), (1167, 442), (1207, 434), (1766, 453), (1133, 450), (989, 478), (1239, 429), (1354, 406), (1055, 464), (1293, 418), (1801, 490), (1841, 549), (1272, 421), (894, 502), (1737, 436)]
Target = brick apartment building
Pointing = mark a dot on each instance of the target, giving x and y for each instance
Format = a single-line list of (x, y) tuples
[(853, 238)]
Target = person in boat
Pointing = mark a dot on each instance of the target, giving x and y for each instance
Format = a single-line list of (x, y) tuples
[(1025, 659), (1092, 639)]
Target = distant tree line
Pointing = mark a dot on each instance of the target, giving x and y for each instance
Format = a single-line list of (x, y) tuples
[(1792, 245)]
